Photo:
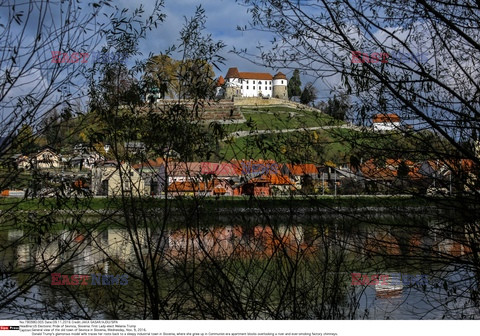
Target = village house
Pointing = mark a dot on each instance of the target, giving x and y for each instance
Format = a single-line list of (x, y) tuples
[(206, 178), (262, 178), (45, 158), (20, 161), (183, 171), (152, 173), (112, 179), (85, 161), (391, 175), (302, 175), (213, 187), (386, 122)]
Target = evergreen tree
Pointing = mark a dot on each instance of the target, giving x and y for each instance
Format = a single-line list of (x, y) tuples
[(338, 107), (294, 84), (309, 94)]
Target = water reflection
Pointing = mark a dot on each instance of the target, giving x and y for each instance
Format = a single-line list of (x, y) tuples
[(83, 252)]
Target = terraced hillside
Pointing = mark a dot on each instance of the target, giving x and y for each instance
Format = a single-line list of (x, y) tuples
[(284, 133), (288, 134)]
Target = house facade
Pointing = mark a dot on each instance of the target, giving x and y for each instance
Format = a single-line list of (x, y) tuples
[(386, 122), (113, 179), (46, 158)]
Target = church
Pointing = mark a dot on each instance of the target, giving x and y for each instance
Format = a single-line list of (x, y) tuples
[(252, 84)]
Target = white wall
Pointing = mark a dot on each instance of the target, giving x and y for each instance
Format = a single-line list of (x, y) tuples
[(385, 126), (251, 87)]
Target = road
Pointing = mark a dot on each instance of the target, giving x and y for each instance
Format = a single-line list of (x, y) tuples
[(241, 134)]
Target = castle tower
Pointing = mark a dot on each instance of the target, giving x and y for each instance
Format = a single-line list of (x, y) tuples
[(280, 86), (233, 87)]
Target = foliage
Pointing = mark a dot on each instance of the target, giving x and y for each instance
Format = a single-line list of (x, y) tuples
[(309, 94), (338, 107), (294, 84)]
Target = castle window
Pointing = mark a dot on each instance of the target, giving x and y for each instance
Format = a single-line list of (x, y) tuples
[(260, 82), (247, 87), (253, 82), (282, 81), (265, 88), (269, 87), (254, 87)]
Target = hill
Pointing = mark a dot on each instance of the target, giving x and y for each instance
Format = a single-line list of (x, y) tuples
[(301, 134)]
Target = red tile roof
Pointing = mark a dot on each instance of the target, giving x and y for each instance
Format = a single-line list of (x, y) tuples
[(280, 75), (302, 169), (184, 168), (232, 73), (223, 169), (390, 171), (220, 81), (255, 75), (244, 167), (158, 162), (383, 118)]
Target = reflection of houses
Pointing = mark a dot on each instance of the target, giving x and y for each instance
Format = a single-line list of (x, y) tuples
[(386, 122), (113, 179)]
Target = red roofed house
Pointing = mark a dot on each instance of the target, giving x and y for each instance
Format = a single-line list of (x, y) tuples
[(386, 122), (254, 84), (262, 178), (299, 172), (191, 188)]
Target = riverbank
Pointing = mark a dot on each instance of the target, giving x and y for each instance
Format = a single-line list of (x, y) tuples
[(296, 202)]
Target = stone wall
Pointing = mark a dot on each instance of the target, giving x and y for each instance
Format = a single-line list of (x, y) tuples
[(257, 101), (223, 110)]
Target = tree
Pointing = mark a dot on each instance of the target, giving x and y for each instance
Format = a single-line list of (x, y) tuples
[(309, 94), (161, 72), (338, 107), (24, 141), (34, 83), (294, 84), (191, 76), (377, 50)]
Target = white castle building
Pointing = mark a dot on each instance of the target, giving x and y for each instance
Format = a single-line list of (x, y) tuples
[(252, 84)]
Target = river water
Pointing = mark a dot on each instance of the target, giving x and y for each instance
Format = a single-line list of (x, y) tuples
[(259, 270)]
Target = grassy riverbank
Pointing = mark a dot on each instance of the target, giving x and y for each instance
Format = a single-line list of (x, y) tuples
[(13, 204)]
